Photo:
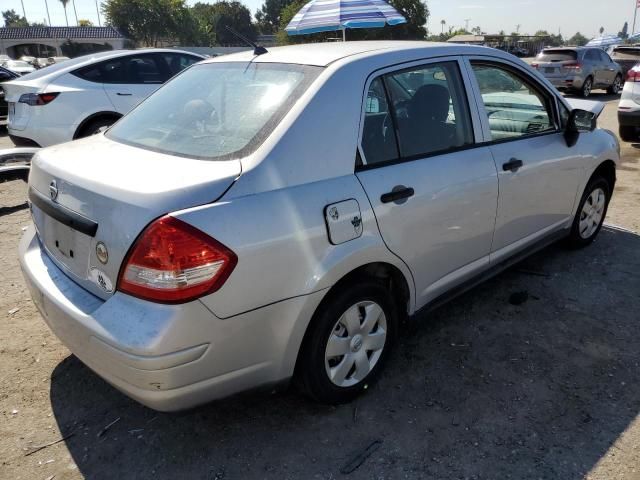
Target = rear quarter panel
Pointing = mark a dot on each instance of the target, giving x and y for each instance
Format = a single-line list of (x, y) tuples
[(282, 245)]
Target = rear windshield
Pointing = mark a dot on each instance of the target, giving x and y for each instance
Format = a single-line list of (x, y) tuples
[(626, 53), (215, 111), (557, 55)]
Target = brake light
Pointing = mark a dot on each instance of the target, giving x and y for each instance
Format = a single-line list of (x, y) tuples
[(633, 75), (173, 262), (573, 66), (35, 99), (534, 65)]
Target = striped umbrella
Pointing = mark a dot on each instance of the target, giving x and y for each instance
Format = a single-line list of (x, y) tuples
[(605, 41), (329, 15)]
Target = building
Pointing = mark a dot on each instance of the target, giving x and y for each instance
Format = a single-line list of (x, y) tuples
[(58, 41)]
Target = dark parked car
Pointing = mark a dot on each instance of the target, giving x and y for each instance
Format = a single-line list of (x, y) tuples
[(626, 57), (5, 75)]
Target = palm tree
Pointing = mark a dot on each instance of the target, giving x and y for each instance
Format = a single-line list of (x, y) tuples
[(64, 4), (601, 30), (443, 23)]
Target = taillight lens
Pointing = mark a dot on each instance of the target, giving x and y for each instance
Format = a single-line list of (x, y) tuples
[(534, 65), (173, 262), (572, 66), (633, 75), (35, 99)]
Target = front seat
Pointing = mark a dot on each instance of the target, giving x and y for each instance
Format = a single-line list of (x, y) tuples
[(425, 128)]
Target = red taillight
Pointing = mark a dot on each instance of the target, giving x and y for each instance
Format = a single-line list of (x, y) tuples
[(35, 99), (633, 75), (572, 66), (173, 262), (534, 65)]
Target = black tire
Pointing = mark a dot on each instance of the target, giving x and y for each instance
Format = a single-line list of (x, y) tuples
[(96, 126), (576, 239), (628, 133), (311, 371), (587, 86), (616, 87)]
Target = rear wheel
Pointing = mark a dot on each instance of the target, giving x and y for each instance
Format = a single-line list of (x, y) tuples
[(96, 126), (587, 86), (616, 86), (591, 213), (628, 133), (347, 342)]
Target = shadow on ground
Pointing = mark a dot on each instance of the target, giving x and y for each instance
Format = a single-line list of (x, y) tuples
[(481, 388)]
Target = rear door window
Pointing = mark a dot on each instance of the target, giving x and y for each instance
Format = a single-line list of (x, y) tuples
[(426, 106), (557, 56), (177, 62)]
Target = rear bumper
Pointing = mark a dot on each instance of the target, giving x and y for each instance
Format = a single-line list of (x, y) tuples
[(168, 357), (22, 141), (630, 118), (40, 135), (573, 82)]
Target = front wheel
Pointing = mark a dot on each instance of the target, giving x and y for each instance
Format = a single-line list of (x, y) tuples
[(347, 342), (616, 86), (591, 213)]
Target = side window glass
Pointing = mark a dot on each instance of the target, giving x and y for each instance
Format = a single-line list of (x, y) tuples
[(513, 106), (431, 109), (378, 135), (144, 69), (113, 71)]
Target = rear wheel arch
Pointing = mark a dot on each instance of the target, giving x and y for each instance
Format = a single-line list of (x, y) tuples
[(93, 118), (387, 274)]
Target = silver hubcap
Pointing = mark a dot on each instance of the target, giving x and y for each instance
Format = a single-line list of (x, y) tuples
[(591, 214), (355, 344), (587, 88), (616, 85)]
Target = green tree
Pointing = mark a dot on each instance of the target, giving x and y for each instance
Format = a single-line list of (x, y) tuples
[(212, 20), (624, 33), (85, 23), (476, 30), (148, 21), (12, 19), (269, 16), (578, 40), (442, 24)]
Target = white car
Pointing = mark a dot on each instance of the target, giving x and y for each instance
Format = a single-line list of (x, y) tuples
[(277, 215), (18, 66), (79, 97), (629, 107)]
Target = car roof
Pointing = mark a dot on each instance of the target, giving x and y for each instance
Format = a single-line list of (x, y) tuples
[(70, 65), (323, 54)]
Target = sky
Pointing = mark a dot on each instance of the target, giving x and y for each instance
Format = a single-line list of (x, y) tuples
[(566, 16)]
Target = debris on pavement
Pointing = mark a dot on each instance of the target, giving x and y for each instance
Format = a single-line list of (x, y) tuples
[(359, 459)]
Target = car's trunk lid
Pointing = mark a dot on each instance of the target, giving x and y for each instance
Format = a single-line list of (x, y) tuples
[(19, 113), (97, 191)]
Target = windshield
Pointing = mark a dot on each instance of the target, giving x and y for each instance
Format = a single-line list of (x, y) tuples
[(557, 55), (215, 110), (626, 53)]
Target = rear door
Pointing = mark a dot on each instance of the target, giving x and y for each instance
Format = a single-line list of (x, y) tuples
[(594, 61), (433, 190), (538, 173), (129, 80), (609, 68)]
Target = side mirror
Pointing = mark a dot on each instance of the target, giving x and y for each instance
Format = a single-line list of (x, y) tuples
[(579, 121)]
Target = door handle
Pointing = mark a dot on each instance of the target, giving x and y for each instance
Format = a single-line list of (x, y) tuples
[(512, 165), (399, 192), (124, 94)]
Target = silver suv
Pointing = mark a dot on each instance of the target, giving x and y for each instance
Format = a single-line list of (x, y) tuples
[(270, 216), (579, 69)]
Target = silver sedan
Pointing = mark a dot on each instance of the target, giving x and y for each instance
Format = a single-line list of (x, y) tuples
[(277, 216)]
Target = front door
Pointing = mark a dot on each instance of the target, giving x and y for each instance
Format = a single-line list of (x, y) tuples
[(538, 173), (433, 192)]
